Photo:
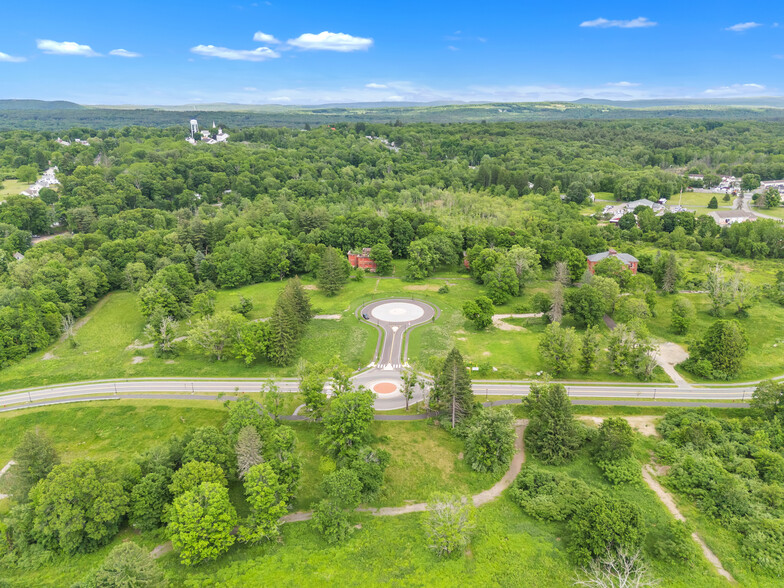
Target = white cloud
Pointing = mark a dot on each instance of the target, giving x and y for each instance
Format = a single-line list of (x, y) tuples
[(65, 48), (4, 57), (326, 41), (735, 90), (452, 48), (124, 53), (622, 84), (743, 26), (265, 38), (259, 54), (280, 99), (395, 98), (250, 89), (779, 56), (602, 23), (374, 86)]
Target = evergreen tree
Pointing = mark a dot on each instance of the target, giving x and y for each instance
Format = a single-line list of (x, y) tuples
[(552, 430), (332, 274), (557, 347), (298, 300), (670, 273), (285, 330), (452, 390), (35, 457), (248, 450), (713, 203)]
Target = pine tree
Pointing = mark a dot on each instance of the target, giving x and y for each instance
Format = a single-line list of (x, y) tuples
[(332, 273), (670, 273), (452, 388), (248, 450), (298, 300), (285, 331)]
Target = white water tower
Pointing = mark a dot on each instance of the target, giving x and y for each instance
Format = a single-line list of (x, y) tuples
[(194, 127)]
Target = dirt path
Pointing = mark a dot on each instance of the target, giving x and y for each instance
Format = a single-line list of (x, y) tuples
[(478, 499), (2, 473), (667, 500), (86, 318), (498, 320), (667, 356)]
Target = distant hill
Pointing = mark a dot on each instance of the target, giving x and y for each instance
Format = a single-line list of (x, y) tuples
[(44, 116), (762, 101), (39, 105)]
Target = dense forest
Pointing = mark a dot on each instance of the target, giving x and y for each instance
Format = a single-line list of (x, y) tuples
[(267, 205), (61, 116)]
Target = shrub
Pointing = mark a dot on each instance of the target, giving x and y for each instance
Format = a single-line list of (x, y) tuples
[(672, 543), (490, 441), (547, 495), (127, 565), (603, 523), (444, 289), (448, 523), (621, 471), (331, 522)]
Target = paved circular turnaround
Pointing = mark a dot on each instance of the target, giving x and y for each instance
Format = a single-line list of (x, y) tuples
[(397, 312), (385, 388)]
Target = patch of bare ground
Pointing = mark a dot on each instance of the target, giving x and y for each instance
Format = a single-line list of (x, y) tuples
[(644, 424), (310, 287), (422, 288), (137, 359)]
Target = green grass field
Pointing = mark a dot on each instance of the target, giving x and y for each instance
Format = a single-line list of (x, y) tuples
[(106, 340), (12, 188), (764, 327), (508, 547), (696, 200)]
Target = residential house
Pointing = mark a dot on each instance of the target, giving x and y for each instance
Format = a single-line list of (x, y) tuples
[(725, 218), (628, 260), (362, 260)]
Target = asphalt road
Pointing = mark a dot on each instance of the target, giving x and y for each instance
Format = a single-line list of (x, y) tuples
[(396, 325), (190, 388)]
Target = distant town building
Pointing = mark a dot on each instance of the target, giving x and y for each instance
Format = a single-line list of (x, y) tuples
[(206, 137), (362, 260), (46, 180), (628, 260), (730, 217), (63, 142)]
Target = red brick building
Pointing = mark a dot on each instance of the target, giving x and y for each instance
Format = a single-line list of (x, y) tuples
[(628, 260), (362, 260)]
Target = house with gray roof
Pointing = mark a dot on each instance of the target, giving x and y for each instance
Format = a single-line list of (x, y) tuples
[(628, 260)]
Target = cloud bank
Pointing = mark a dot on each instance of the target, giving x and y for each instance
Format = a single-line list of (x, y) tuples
[(259, 54), (326, 41), (602, 23), (65, 48)]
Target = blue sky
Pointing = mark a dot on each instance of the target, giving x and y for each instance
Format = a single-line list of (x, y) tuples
[(308, 52)]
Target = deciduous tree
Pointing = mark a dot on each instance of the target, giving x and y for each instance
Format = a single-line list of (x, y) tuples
[(200, 524)]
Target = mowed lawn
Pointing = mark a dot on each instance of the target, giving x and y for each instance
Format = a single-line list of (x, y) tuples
[(12, 188), (508, 548), (103, 351)]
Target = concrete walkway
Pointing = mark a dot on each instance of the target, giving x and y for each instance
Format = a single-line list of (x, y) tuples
[(667, 500)]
